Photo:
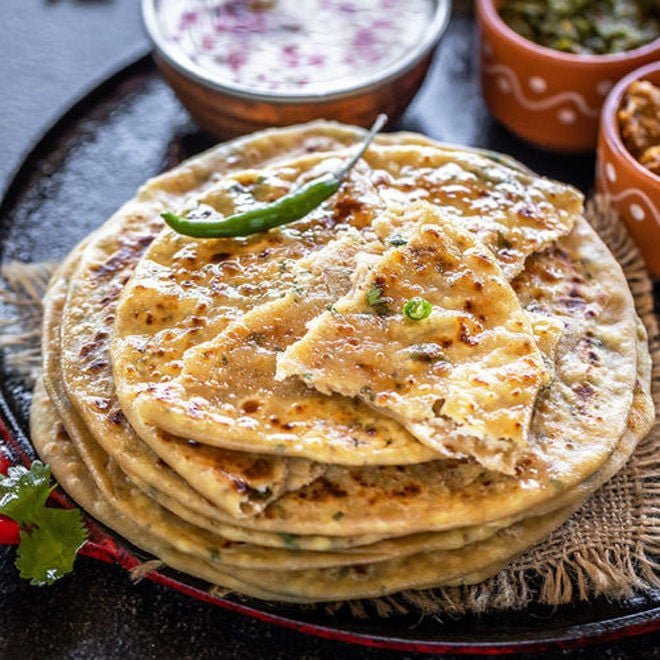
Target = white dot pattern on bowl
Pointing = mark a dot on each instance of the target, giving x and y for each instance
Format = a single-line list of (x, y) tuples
[(538, 84), (637, 212), (503, 85), (610, 172), (603, 87), (566, 116)]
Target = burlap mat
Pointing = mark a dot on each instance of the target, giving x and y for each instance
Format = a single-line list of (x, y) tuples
[(610, 546)]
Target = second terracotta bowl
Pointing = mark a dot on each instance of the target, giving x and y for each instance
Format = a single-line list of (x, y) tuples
[(632, 190), (549, 98)]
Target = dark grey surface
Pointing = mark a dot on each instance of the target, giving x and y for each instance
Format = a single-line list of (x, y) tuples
[(52, 51), (97, 612)]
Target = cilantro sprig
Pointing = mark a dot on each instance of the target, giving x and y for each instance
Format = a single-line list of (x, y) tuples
[(49, 538)]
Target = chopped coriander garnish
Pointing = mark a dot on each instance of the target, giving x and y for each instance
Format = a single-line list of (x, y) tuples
[(261, 494), (298, 291), (50, 537), (368, 392), (376, 300), (290, 540), (417, 308), (396, 240), (338, 515), (375, 296)]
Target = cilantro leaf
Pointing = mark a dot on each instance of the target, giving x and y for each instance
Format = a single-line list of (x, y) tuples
[(396, 240), (375, 296), (50, 538), (23, 492), (375, 299), (47, 552)]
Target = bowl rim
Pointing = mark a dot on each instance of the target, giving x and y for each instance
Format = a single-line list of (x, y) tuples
[(434, 31), (609, 124), (492, 16)]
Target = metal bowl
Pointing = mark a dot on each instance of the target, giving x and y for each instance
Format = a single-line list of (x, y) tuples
[(226, 110)]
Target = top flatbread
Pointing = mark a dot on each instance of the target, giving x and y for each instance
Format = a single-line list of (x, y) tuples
[(515, 212)]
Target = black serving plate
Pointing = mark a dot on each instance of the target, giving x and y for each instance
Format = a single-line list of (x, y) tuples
[(130, 128)]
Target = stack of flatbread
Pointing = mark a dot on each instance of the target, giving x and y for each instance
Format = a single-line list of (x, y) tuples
[(262, 413)]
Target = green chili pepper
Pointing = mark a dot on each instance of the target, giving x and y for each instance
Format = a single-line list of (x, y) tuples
[(417, 308), (295, 205)]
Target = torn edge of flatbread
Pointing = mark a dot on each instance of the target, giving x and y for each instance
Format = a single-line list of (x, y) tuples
[(462, 376)]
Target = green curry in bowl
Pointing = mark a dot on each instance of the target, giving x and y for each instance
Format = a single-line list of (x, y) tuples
[(585, 27)]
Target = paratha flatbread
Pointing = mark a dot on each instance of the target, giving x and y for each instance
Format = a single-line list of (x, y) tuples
[(476, 561), (355, 531)]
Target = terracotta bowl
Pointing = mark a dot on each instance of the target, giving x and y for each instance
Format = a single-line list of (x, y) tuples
[(633, 190), (549, 98), (226, 111)]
